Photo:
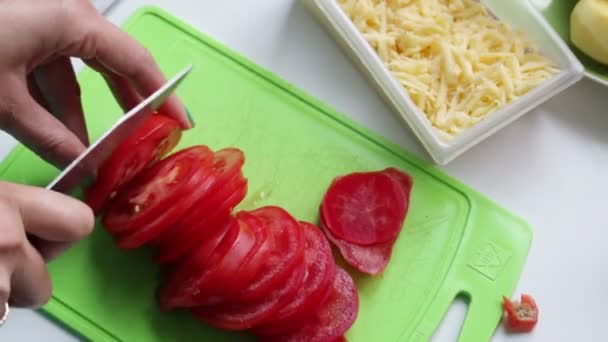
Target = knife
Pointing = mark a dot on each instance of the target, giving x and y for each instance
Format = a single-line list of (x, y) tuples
[(87, 163)]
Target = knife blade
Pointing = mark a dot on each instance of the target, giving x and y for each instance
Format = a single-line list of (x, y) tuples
[(87, 163)]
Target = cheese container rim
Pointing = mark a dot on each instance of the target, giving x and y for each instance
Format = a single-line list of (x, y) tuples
[(535, 28)]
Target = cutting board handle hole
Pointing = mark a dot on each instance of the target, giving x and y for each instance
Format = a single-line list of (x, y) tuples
[(449, 328)]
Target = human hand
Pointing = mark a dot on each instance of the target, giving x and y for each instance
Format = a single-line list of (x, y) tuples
[(36, 226), (36, 40)]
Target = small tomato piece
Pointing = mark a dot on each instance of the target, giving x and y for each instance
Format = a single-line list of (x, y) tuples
[(521, 316)]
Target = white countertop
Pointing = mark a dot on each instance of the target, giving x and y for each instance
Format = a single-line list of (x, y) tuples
[(550, 167)]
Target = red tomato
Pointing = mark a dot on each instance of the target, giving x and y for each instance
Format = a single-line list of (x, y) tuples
[(320, 274), (215, 279), (257, 257), (335, 316), (171, 249), (522, 316), (236, 269), (365, 208), (157, 136), (238, 193), (370, 259), (241, 315), (405, 182), (227, 229), (226, 178), (225, 198), (181, 282), (188, 225), (287, 254), (158, 197)]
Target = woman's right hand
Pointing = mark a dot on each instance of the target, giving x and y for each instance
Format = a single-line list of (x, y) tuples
[(36, 225)]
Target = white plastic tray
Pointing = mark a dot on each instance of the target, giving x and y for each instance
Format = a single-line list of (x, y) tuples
[(518, 13)]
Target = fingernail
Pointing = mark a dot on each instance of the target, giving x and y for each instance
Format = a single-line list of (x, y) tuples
[(189, 117)]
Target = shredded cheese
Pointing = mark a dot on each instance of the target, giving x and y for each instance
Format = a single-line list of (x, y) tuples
[(455, 59)]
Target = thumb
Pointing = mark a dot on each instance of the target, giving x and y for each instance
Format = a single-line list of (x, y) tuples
[(22, 117)]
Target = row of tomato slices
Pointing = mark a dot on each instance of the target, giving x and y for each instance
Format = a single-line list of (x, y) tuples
[(260, 270)]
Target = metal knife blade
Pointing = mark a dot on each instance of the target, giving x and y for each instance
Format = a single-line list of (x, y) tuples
[(89, 161)]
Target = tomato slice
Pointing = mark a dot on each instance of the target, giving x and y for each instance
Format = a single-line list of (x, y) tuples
[(151, 141), (239, 192), (240, 315), (158, 197), (192, 235), (234, 272), (365, 208), (225, 198), (287, 254), (226, 176), (259, 254), (164, 221), (320, 273), (214, 281), (227, 229), (335, 316), (370, 259), (181, 282), (522, 316), (405, 181), (184, 228)]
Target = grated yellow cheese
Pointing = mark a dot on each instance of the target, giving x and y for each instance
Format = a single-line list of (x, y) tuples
[(457, 61)]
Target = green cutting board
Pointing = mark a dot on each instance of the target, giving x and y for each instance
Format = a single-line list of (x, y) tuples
[(454, 241)]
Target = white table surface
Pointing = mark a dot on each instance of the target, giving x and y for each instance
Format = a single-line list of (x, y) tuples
[(549, 167)]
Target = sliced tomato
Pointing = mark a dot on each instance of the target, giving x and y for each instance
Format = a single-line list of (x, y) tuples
[(239, 192), (199, 234), (213, 282), (158, 197), (192, 235), (365, 208), (151, 141), (195, 235), (227, 229), (335, 316), (405, 181), (154, 189), (226, 177), (287, 254), (183, 229), (237, 268), (181, 283), (225, 198), (258, 256), (164, 221), (320, 273), (240, 315), (370, 259)]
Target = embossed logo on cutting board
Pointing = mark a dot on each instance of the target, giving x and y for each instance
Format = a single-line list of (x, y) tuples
[(490, 260)]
